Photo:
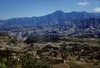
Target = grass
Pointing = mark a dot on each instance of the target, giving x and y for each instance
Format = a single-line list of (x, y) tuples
[(61, 65), (2, 65), (74, 65), (72, 58)]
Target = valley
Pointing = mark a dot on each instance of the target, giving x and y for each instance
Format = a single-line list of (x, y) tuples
[(74, 52)]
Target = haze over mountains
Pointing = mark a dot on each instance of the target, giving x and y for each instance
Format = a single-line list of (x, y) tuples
[(72, 23)]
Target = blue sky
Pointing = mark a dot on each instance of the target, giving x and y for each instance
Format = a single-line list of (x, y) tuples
[(29, 8)]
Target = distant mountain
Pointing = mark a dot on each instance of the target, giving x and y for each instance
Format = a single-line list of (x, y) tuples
[(58, 17), (74, 23)]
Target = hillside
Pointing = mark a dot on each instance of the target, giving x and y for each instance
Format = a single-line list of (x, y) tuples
[(70, 24)]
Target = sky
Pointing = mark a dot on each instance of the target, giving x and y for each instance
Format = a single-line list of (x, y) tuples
[(29, 8)]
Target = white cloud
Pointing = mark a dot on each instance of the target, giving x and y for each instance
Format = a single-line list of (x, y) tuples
[(83, 3), (97, 9)]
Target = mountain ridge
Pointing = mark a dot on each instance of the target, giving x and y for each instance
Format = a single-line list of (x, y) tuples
[(52, 13), (72, 23), (57, 15)]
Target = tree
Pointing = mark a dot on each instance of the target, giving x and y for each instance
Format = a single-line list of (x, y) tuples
[(29, 61), (64, 51)]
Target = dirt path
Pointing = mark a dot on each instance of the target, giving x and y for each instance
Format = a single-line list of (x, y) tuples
[(86, 65), (61, 65)]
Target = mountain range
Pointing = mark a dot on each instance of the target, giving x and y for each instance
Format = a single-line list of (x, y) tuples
[(72, 23)]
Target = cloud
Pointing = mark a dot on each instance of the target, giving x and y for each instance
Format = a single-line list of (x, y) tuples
[(83, 3), (97, 9)]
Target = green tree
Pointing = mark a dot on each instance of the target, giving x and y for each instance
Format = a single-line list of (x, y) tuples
[(29, 61)]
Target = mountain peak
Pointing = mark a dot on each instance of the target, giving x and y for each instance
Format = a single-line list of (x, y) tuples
[(59, 11)]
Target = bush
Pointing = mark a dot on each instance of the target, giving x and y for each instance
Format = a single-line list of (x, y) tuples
[(28, 61)]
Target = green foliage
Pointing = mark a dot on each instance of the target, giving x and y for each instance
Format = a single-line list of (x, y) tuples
[(4, 56), (25, 61), (28, 61), (2, 65), (11, 63)]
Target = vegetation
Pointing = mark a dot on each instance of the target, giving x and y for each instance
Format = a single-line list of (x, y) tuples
[(54, 52), (28, 61), (74, 65), (48, 38), (24, 61)]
